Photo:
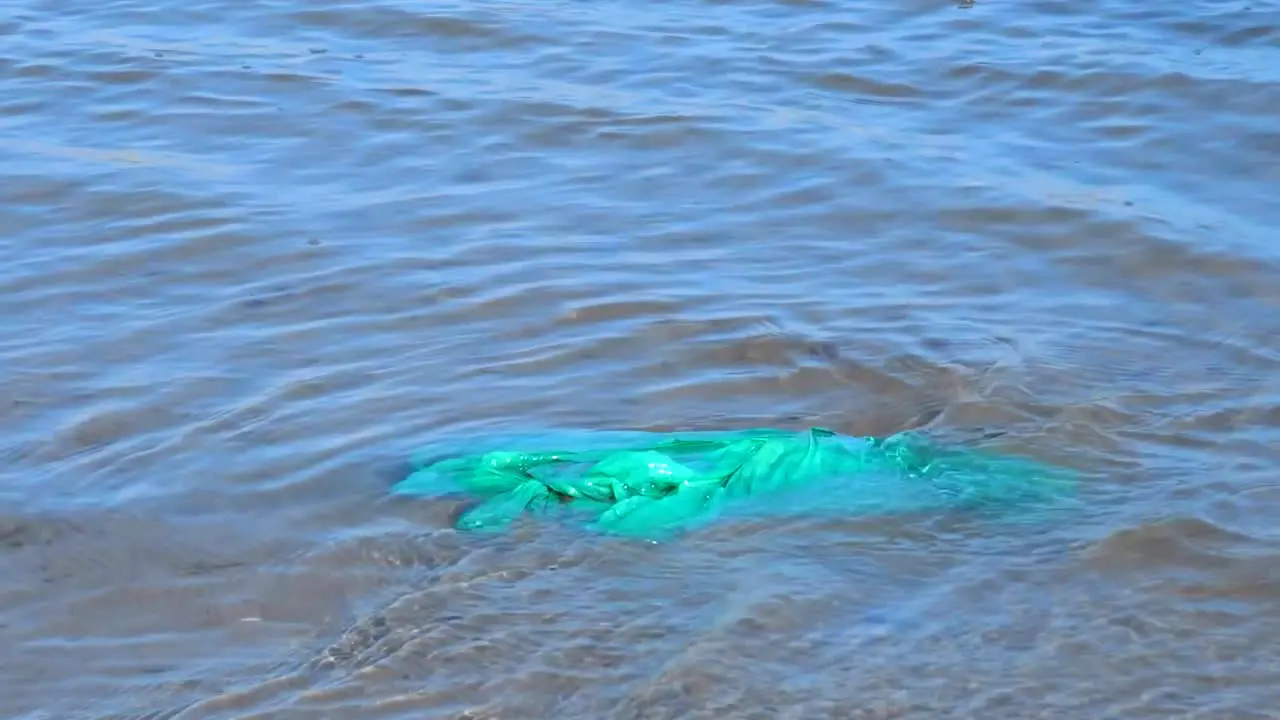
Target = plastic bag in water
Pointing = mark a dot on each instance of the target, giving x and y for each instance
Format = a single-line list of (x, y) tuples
[(654, 484)]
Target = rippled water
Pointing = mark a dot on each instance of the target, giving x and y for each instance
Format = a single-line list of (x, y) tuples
[(254, 254)]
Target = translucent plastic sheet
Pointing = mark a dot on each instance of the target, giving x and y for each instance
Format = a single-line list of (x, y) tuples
[(654, 484)]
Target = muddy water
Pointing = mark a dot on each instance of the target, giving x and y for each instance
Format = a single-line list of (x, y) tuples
[(253, 255)]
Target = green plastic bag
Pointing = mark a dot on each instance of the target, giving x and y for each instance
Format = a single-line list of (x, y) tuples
[(654, 484)]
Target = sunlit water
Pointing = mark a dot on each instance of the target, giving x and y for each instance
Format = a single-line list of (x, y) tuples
[(253, 255)]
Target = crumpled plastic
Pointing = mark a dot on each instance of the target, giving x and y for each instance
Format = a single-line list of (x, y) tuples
[(656, 484)]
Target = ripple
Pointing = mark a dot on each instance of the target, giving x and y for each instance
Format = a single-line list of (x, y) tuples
[(253, 258)]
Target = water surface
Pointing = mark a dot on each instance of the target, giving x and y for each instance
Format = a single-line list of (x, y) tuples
[(253, 255)]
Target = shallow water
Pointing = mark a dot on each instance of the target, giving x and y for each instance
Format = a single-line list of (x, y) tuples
[(253, 255)]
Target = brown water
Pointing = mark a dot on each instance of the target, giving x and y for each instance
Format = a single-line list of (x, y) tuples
[(254, 254)]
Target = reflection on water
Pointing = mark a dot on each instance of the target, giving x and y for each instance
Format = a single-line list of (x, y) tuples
[(254, 257)]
